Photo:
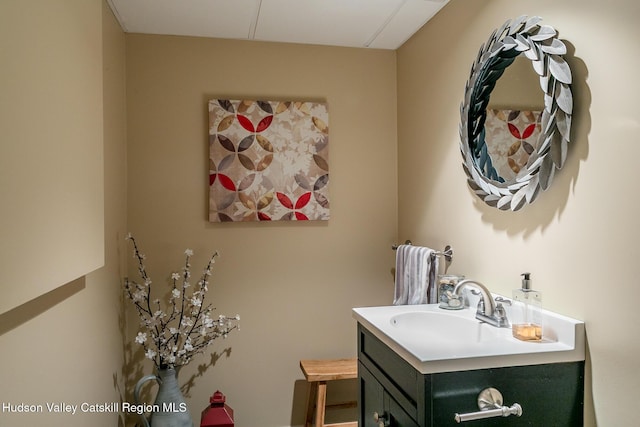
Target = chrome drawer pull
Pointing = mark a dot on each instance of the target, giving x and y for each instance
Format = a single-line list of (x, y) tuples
[(503, 411), (490, 404)]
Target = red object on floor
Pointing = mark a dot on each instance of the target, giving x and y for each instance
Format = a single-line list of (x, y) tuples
[(218, 414)]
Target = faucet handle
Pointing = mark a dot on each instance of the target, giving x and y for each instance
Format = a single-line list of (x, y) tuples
[(501, 314), (503, 300)]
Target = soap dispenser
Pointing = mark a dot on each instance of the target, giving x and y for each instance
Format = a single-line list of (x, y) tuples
[(526, 317)]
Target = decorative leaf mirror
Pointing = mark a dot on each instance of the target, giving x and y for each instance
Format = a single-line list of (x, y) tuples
[(539, 43)]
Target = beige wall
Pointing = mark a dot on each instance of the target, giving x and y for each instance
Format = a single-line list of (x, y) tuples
[(294, 284), (578, 239), (52, 202), (65, 346)]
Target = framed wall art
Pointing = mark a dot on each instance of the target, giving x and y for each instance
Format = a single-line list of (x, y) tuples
[(268, 160)]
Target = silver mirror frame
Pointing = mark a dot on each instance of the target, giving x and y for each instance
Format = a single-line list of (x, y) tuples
[(540, 44)]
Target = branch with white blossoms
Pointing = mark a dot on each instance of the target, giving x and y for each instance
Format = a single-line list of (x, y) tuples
[(173, 336)]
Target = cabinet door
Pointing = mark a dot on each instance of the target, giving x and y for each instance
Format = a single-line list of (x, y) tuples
[(375, 400), (396, 415), (370, 397)]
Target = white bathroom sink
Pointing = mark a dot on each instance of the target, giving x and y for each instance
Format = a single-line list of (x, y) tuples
[(435, 340), (447, 328)]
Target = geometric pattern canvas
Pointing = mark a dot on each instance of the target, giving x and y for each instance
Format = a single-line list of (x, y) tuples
[(511, 136), (268, 160)]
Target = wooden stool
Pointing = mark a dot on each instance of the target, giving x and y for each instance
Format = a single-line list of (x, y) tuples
[(318, 372)]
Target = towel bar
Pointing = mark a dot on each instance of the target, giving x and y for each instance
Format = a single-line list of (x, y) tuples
[(447, 252)]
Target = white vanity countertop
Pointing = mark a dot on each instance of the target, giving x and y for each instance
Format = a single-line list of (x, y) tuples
[(435, 340)]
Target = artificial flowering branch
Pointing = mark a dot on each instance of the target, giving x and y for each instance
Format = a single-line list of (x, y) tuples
[(171, 337)]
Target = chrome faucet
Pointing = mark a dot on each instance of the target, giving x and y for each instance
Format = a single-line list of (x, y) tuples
[(488, 311)]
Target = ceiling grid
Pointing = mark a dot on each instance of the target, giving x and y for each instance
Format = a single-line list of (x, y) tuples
[(378, 24)]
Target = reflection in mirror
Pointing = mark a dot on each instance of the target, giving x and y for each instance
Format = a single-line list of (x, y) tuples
[(518, 88), (512, 127), (512, 146)]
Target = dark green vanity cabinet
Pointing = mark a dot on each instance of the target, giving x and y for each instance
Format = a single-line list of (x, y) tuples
[(550, 395)]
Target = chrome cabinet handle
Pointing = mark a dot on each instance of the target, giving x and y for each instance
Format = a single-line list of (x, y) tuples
[(503, 411), (380, 419), (490, 405)]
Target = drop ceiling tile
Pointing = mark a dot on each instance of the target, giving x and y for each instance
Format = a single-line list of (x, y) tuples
[(203, 18), (329, 22)]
